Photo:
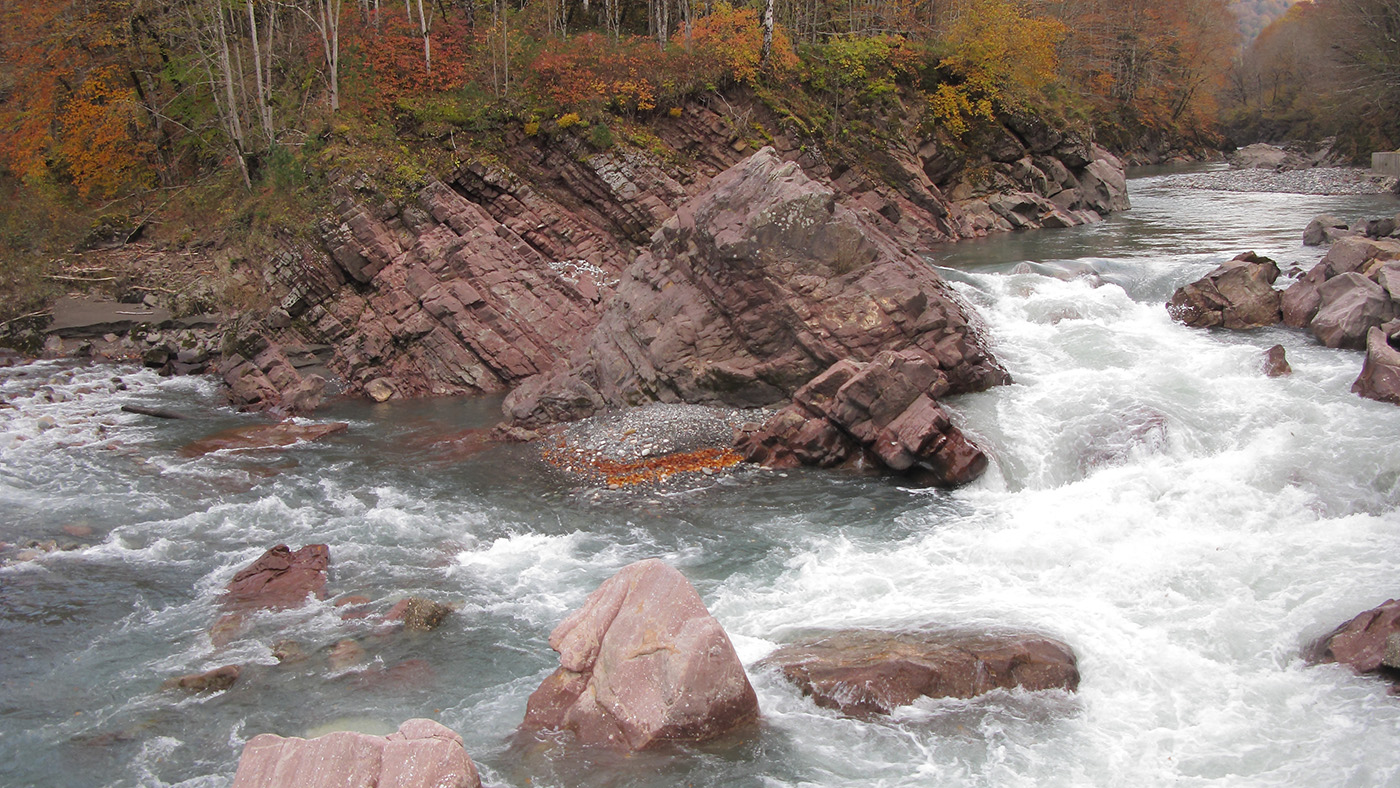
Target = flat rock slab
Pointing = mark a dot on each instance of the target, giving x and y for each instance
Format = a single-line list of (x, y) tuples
[(93, 317), (280, 578), (868, 672), (422, 754), (262, 436)]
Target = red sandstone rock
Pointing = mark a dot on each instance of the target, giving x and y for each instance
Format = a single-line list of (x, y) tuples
[(862, 672), (280, 579), (1237, 295), (262, 436), (1349, 306), (1276, 362), (260, 377), (1380, 372), (884, 408), (422, 754), (1362, 642), (642, 663)]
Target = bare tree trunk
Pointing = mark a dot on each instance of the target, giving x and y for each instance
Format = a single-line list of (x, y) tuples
[(767, 32), (423, 26), (264, 85)]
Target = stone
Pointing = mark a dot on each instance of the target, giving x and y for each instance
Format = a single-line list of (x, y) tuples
[(216, 680), (867, 672), (279, 579), (1380, 371), (379, 390), (421, 754), (260, 377), (1300, 300), (642, 663), (418, 614), (1361, 643), (1349, 306), (1236, 295), (1323, 230), (262, 436), (1276, 362)]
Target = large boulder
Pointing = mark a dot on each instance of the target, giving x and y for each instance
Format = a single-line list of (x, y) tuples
[(1324, 229), (1366, 644), (863, 672), (422, 754), (1349, 306), (1380, 372), (642, 663), (886, 408), (1236, 295), (751, 290)]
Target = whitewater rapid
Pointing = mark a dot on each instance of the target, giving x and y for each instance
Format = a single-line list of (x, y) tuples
[(1185, 523)]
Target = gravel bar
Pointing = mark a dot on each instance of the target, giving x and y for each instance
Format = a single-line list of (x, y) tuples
[(1317, 180)]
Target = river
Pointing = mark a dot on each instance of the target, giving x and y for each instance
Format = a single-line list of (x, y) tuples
[(1185, 523)]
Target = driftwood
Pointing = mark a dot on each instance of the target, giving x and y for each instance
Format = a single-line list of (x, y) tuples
[(153, 412)]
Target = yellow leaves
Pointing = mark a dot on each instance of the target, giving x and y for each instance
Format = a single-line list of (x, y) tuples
[(97, 142)]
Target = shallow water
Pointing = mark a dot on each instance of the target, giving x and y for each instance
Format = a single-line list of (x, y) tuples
[(1183, 522)]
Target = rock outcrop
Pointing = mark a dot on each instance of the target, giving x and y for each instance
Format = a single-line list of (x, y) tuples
[(422, 754), (1369, 643), (863, 672), (749, 293), (886, 409), (1237, 295), (1380, 372), (642, 663)]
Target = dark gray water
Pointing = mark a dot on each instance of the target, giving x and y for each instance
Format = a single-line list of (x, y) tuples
[(1184, 522)]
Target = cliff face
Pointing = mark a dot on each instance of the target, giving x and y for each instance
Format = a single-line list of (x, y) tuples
[(499, 271)]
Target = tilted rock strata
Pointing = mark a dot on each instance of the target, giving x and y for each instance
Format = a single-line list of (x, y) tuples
[(642, 663), (887, 409), (864, 672), (748, 293), (422, 754)]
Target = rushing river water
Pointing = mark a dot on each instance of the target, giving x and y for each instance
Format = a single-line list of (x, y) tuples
[(1185, 523)]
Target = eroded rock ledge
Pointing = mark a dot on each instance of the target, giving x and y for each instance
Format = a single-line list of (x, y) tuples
[(758, 287)]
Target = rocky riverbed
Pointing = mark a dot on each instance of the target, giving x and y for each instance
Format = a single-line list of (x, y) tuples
[(1334, 181)]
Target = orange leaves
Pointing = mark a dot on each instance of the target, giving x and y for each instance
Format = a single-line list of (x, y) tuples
[(591, 72), (647, 469), (99, 143), (394, 52)]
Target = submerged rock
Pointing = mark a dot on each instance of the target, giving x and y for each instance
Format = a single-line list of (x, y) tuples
[(866, 672), (422, 754), (642, 663), (1237, 295), (215, 680), (418, 614), (262, 436)]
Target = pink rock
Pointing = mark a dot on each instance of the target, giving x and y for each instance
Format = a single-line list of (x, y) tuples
[(262, 436), (422, 754), (863, 672), (1237, 295), (1361, 643), (643, 663), (1380, 372), (280, 578)]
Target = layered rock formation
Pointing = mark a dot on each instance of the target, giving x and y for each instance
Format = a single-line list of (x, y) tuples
[(756, 288), (640, 664), (863, 672), (422, 754)]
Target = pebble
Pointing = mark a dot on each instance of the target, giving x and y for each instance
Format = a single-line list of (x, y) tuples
[(1317, 180)]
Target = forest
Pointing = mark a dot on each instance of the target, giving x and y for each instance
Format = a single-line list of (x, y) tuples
[(205, 112)]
